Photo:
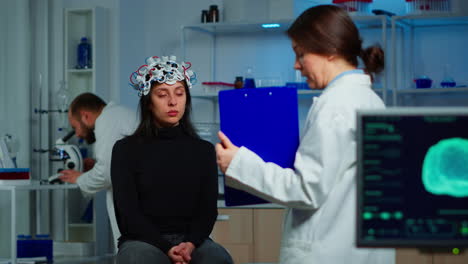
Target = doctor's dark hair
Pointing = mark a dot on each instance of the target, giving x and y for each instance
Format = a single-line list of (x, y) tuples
[(147, 127), (86, 101), (329, 30)]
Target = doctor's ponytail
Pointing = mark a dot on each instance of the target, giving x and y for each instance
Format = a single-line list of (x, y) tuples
[(374, 60)]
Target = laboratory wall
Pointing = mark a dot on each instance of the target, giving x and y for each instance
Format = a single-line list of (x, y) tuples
[(32, 59), (15, 108)]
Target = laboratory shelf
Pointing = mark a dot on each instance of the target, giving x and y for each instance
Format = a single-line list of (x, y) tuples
[(367, 22), (80, 70), (402, 64), (371, 21), (434, 90), (378, 22), (85, 225), (430, 20), (207, 95), (223, 27), (36, 185)]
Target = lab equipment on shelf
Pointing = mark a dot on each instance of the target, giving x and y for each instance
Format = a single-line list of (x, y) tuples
[(423, 82), (204, 16), (249, 81), (84, 54), (239, 82), (355, 6), (69, 154), (213, 14), (436, 7), (55, 179), (7, 159), (447, 80)]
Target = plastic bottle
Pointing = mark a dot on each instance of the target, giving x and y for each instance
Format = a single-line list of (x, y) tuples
[(84, 54)]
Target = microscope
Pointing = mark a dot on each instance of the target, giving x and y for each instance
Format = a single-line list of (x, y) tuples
[(69, 154)]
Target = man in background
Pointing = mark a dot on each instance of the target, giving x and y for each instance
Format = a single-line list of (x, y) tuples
[(103, 124)]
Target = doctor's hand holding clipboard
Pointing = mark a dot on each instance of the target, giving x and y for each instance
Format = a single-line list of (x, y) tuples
[(225, 151)]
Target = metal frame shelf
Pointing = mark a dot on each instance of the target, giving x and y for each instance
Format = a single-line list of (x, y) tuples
[(33, 186), (381, 22), (408, 24)]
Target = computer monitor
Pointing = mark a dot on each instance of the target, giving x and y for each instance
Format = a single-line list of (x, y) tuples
[(412, 186)]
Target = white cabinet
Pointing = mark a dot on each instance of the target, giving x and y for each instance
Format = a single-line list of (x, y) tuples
[(92, 24), (405, 32)]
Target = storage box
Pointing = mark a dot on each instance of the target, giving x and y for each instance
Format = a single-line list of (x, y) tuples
[(355, 6), (41, 246), (16, 176)]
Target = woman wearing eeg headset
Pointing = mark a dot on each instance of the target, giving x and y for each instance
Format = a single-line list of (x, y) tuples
[(320, 190), (165, 178)]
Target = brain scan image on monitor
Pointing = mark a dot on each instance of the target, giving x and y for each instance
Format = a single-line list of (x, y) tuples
[(445, 168), (412, 177)]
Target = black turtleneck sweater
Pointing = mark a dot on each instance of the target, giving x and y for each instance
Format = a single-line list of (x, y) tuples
[(164, 185)]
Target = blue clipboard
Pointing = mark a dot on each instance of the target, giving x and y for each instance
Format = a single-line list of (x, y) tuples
[(264, 120)]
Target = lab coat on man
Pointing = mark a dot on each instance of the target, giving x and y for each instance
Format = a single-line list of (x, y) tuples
[(320, 192), (114, 123)]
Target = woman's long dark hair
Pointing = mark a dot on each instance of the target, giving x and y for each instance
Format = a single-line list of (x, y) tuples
[(147, 127)]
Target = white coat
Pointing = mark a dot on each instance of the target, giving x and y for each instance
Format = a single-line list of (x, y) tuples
[(320, 192), (114, 123)]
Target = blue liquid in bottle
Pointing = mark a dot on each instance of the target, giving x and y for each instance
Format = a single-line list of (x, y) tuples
[(84, 54), (249, 81)]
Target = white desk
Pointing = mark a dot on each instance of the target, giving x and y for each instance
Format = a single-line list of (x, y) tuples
[(33, 186)]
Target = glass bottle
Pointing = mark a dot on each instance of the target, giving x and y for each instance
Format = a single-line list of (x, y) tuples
[(213, 14), (204, 16), (239, 82), (447, 80)]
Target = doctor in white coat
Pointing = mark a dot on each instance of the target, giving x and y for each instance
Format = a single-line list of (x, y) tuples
[(96, 121), (320, 191)]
